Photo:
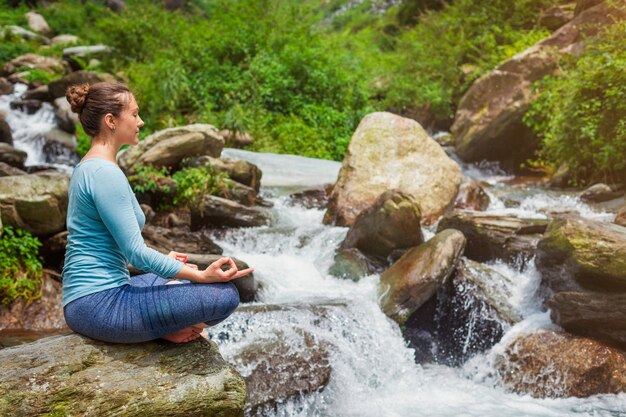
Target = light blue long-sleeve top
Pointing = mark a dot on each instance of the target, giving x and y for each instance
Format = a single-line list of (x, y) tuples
[(104, 221)]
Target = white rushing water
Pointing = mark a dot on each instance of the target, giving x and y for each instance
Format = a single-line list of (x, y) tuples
[(373, 371)]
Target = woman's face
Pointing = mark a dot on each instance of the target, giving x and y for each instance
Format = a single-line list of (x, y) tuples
[(128, 124)]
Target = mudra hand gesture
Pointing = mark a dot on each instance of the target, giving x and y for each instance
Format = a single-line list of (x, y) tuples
[(214, 272)]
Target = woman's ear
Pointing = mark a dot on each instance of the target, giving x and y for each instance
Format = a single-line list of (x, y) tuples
[(109, 121)]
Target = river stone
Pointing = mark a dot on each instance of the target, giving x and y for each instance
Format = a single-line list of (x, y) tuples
[(558, 365), (391, 152), (27, 106), (577, 254), (556, 16), (65, 117), (212, 211), (85, 54), (36, 203), (74, 375), (415, 277), (41, 93), (488, 122), (58, 87), (620, 217), (598, 193), (18, 31), (64, 40), (281, 369), (212, 143), (44, 314), (6, 87), (48, 64), (313, 199), (472, 196), (238, 140), (165, 239), (392, 222), (353, 264), (247, 286), (5, 131), (7, 170), (495, 237), (12, 156), (37, 23), (598, 315), (238, 170)]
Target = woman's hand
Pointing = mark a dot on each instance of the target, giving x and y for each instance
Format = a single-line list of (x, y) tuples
[(182, 257), (215, 273)]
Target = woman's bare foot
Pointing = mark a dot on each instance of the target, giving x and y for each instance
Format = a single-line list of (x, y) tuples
[(185, 335)]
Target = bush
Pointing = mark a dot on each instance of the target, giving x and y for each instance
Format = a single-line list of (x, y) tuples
[(580, 115), (193, 183), (146, 179), (21, 270)]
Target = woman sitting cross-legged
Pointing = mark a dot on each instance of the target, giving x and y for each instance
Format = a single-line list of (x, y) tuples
[(104, 222)]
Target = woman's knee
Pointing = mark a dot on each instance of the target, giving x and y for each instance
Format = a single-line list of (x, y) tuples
[(232, 295)]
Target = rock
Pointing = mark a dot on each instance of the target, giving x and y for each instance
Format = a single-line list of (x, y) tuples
[(27, 106), (556, 16), (211, 144), (152, 378), (53, 251), (48, 64), (60, 147), (7, 170), (392, 222), (243, 172), (353, 264), (212, 211), (577, 254), (598, 193), (593, 314), (562, 177), (238, 140), (620, 217), (5, 131), (488, 122), (58, 87), (66, 119), (6, 87), (550, 364), (148, 212), (12, 156), (116, 5), (281, 369), (417, 275), (40, 93), (472, 196), (492, 237), (36, 203), (64, 40), (84, 54), (391, 152), (172, 5), (582, 5), (37, 23), (160, 197), (181, 239), (20, 32), (44, 314), (469, 314), (313, 199), (241, 194)]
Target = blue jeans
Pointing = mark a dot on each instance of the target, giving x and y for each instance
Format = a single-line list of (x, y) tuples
[(148, 309)]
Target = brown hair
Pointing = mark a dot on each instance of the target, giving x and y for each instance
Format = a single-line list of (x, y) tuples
[(93, 102)]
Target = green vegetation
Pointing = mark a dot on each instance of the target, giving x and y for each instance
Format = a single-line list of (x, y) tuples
[(581, 113), (20, 266), (148, 179)]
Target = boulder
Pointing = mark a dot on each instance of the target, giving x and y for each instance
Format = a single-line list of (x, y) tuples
[(281, 369), (417, 275), (53, 251), (577, 254), (36, 203), (58, 87), (174, 149), (20, 32), (593, 314), (312, 199), (44, 314), (599, 193), (65, 117), (48, 64), (556, 16), (116, 5), (37, 23), (6, 87), (353, 264), (488, 122), (238, 140), (7, 170), (165, 239), (582, 5), (550, 364), (6, 136), (96, 378), (11, 156), (620, 217), (41, 93), (84, 54), (60, 147), (212, 211), (64, 40), (472, 196), (27, 106), (492, 237), (391, 152), (243, 172)]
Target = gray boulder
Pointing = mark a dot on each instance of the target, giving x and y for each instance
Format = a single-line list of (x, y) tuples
[(5, 131), (472, 196), (211, 211), (36, 203), (65, 117), (77, 55), (556, 16), (7, 170), (41, 93), (64, 40), (417, 275), (598, 193), (17, 31), (6, 87), (74, 375), (11, 156), (48, 64), (37, 23)]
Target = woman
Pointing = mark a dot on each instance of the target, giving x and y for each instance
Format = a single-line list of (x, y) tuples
[(104, 222)]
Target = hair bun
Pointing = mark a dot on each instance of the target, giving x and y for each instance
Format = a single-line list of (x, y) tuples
[(76, 96)]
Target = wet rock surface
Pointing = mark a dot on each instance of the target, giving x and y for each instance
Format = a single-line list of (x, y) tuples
[(212, 211), (73, 375), (472, 196)]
